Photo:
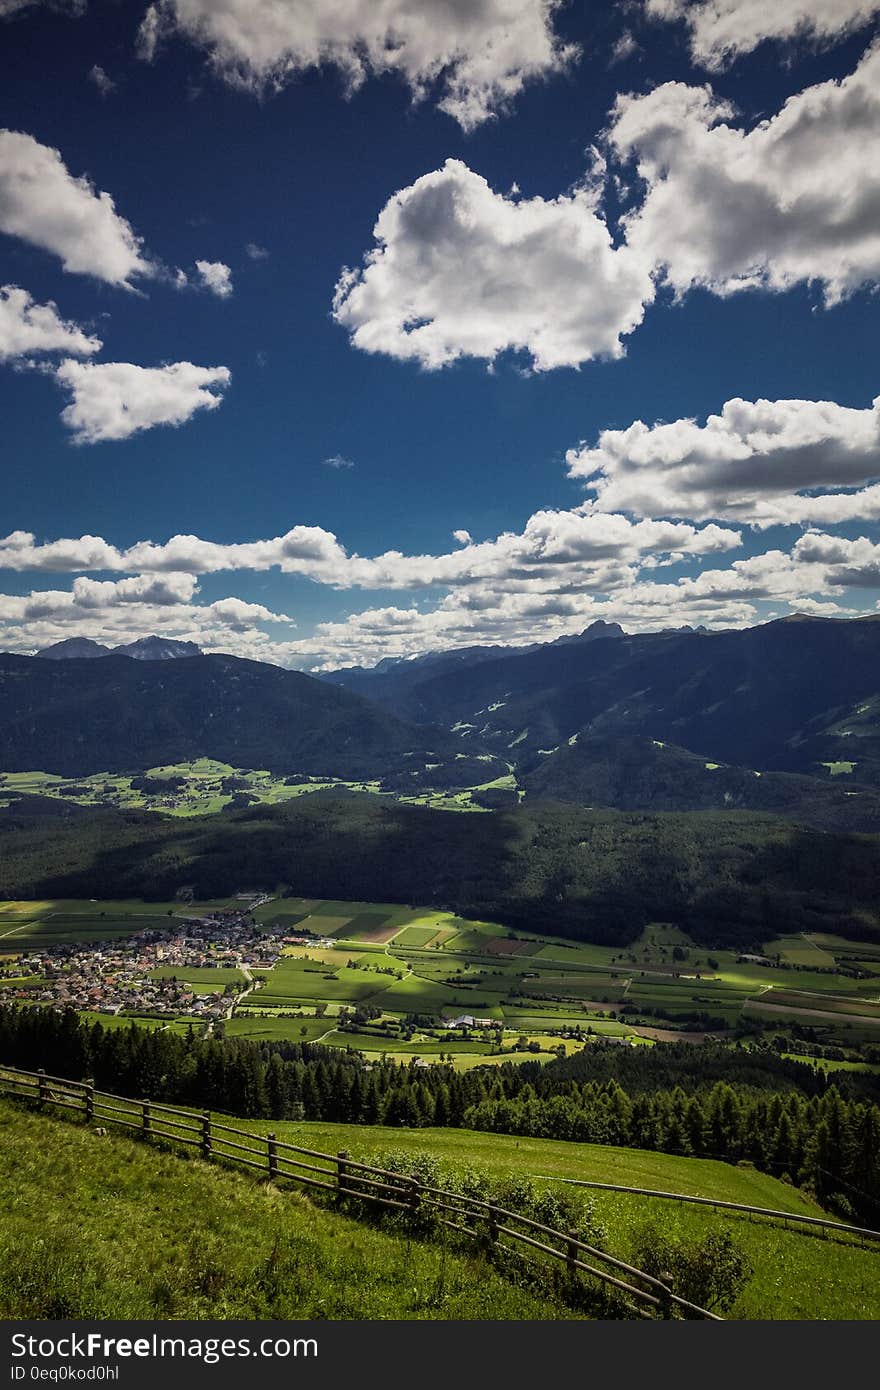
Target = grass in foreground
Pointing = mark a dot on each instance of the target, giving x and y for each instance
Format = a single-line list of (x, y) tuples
[(797, 1275), (105, 1227)]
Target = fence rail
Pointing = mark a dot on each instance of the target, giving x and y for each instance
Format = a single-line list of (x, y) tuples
[(840, 1226), (483, 1221)]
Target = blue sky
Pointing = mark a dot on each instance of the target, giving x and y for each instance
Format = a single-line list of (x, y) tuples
[(508, 318)]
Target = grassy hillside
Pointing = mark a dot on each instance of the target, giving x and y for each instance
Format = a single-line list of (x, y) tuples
[(796, 1275), (104, 1227)]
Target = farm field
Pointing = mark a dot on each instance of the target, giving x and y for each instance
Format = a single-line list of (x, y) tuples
[(403, 963), (388, 978), (201, 979), (27, 926)]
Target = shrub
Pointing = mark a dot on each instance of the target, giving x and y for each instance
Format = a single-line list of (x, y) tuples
[(711, 1271)]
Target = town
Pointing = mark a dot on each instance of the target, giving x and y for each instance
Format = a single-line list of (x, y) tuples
[(150, 972)]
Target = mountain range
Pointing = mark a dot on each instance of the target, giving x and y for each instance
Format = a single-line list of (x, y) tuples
[(143, 649), (82, 715), (783, 717), (800, 695)]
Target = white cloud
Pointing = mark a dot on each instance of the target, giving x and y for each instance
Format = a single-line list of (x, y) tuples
[(101, 80), (119, 611), (42, 203), (27, 327), (255, 252), (806, 579), (624, 48), (722, 30), (216, 277), (850, 563), (793, 200), (750, 464), (506, 594), (462, 271), (478, 53), (159, 589), (10, 8), (555, 548), (338, 461), (113, 400)]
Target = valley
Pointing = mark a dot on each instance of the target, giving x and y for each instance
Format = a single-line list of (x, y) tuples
[(426, 986), (603, 909)]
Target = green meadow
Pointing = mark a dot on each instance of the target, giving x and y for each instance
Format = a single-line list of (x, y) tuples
[(796, 1274), (105, 1227)]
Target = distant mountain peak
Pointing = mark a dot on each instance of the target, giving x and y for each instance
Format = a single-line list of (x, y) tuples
[(143, 649), (595, 631), (157, 649), (74, 648)]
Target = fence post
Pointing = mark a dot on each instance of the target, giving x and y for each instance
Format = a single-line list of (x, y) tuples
[(90, 1100), (206, 1134), (665, 1294), (42, 1087), (493, 1225), (341, 1156), (273, 1156), (146, 1122), (415, 1197), (571, 1254)]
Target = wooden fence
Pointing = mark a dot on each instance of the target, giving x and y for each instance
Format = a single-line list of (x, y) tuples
[(491, 1226)]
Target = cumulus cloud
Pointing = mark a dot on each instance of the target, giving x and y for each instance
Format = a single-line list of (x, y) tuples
[(478, 55), (809, 578), (114, 400), (793, 200), (462, 271), (216, 277), (159, 589), (118, 611), (43, 203), (558, 580), (255, 252), (338, 461), (751, 463), (579, 548), (27, 328), (722, 30)]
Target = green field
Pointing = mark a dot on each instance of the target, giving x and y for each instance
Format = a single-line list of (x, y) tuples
[(27, 926), (201, 979), (797, 1275), (97, 1228), (206, 786), (412, 961)]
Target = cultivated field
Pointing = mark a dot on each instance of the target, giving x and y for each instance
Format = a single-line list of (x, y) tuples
[(388, 978)]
